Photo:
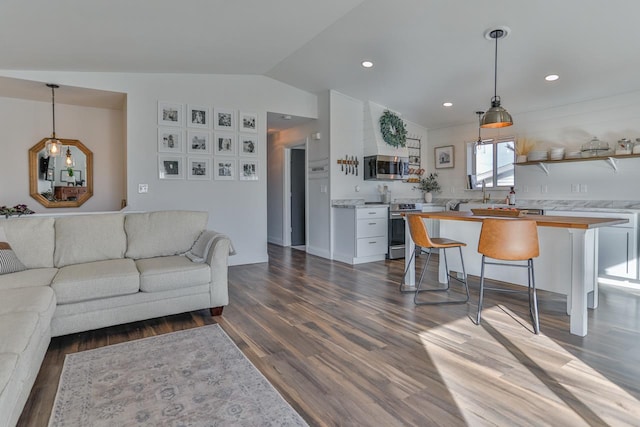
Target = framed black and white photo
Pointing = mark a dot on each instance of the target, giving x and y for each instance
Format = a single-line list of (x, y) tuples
[(443, 157), (224, 169), (248, 170), (248, 145), (170, 140), (224, 119), (170, 167), (170, 114), (198, 116), (199, 168), (198, 142), (225, 144), (248, 122)]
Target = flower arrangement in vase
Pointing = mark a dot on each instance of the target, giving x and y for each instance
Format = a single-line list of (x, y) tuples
[(429, 185)]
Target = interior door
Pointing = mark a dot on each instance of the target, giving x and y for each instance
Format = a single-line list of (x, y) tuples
[(297, 197)]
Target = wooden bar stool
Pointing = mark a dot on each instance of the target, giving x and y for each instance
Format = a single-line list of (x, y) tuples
[(510, 240), (420, 236)]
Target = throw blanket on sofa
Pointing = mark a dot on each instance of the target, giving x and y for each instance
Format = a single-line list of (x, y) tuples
[(200, 249)]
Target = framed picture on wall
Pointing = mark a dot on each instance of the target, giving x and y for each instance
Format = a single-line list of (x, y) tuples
[(170, 140), (170, 114), (443, 157), (198, 142), (225, 144), (170, 167), (248, 170), (248, 122), (224, 169), (199, 168), (224, 119), (248, 145), (198, 116)]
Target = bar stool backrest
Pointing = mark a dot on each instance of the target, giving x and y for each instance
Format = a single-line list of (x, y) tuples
[(418, 231), (509, 239)]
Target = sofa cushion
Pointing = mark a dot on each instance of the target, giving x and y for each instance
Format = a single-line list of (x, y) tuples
[(162, 233), (93, 280), (32, 240), (16, 330), (9, 262), (88, 238), (8, 362), (28, 278), (40, 300), (172, 272)]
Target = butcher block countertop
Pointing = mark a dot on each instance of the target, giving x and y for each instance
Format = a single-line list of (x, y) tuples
[(541, 220)]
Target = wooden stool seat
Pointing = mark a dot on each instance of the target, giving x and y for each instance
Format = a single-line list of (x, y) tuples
[(510, 240), (420, 236)]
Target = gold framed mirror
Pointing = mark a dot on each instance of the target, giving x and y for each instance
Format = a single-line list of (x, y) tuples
[(53, 183)]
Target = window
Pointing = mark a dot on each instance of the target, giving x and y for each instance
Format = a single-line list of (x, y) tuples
[(491, 163)]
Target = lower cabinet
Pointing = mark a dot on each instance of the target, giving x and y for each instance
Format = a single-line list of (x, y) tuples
[(360, 234)]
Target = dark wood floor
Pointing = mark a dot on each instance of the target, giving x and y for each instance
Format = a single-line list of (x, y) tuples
[(345, 348)]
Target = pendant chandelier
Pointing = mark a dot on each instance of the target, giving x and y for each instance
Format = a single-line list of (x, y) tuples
[(496, 116), (479, 113), (69, 160), (53, 146)]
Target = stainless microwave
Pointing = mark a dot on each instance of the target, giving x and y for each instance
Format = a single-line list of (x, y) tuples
[(386, 167)]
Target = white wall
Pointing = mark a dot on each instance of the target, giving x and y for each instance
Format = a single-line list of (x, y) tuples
[(570, 126), (26, 122), (237, 208)]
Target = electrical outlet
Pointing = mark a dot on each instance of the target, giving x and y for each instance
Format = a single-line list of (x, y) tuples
[(544, 188), (575, 188), (525, 189), (583, 188), (143, 188)]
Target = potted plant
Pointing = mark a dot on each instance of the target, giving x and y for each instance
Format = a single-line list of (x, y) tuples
[(429, 185)]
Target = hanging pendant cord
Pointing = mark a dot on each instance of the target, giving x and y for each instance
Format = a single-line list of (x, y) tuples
[(496, 34), (53, 109)]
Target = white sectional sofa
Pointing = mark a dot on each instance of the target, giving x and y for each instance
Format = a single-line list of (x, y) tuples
[(89, 271)]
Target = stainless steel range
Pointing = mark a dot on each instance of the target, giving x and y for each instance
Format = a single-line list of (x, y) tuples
[(396, 227)]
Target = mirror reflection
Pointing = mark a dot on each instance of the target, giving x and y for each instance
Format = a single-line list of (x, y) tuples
[(65, 180)]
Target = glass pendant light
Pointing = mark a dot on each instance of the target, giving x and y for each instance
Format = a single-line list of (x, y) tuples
[(496, 116), (69, 160), (53, 145)]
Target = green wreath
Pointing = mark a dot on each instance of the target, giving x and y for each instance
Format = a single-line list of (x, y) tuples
[(392, 128)]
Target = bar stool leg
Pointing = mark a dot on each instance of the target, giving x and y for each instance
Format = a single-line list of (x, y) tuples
[(447, 288), (478, 317), (533, 298), (464, 274)]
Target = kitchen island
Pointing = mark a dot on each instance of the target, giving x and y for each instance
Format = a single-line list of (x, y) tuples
[(567, 263)]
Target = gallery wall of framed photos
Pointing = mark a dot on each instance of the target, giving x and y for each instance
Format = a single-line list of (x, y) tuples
[(199, 142)]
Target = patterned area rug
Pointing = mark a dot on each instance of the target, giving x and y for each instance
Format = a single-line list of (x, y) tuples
[(195, 377)]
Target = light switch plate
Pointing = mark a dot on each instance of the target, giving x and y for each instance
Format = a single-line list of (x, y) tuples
[(143, 188)]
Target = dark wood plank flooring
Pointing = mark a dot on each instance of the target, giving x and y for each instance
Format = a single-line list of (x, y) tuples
[(345, 348)]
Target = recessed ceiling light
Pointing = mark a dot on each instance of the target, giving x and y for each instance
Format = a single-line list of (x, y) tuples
[(367, 64), (447, 104), (552, 77)]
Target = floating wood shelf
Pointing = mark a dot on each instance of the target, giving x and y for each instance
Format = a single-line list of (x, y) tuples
[(612, 160)]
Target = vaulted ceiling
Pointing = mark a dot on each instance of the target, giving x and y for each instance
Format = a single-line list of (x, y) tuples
[(425, 52)]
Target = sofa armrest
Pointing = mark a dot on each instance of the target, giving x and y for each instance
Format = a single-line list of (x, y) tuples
[(217, 258)]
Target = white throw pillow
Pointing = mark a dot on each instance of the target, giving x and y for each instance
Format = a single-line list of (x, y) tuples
[(9, 262)]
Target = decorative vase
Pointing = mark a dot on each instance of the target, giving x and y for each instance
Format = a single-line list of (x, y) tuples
[(428, 197)]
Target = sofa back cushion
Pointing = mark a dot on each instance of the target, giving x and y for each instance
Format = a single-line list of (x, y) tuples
[(32, 240), (88, 238), (162, 233)]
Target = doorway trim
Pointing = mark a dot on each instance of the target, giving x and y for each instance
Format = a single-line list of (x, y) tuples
[(286, 191)]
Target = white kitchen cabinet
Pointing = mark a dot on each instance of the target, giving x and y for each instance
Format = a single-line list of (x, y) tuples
[(360, 234), (617, 245)]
